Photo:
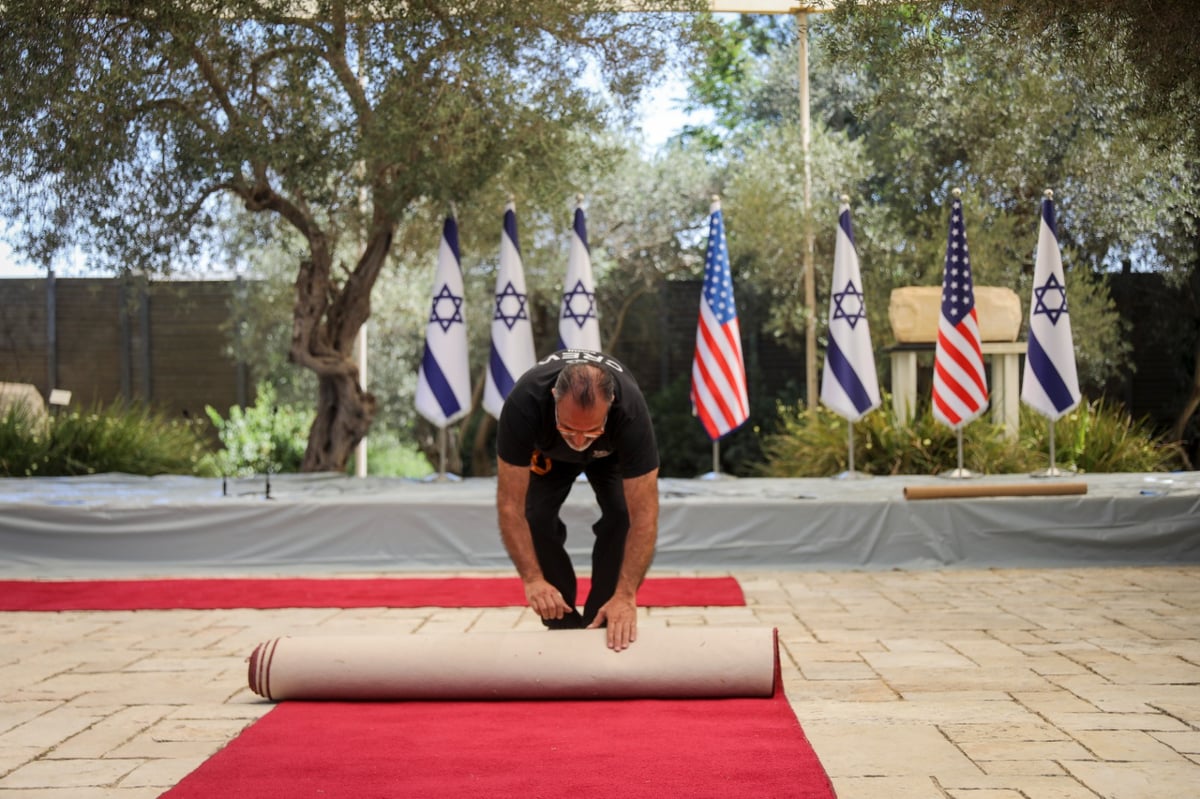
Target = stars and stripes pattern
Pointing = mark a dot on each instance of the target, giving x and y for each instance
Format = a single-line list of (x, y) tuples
[(512, 350), (1050, 384), (719, 395), (578, 325), (849, 384), (444, 379), (960, 391)]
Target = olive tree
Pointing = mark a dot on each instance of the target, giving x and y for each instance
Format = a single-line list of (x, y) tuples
[(135, 131)]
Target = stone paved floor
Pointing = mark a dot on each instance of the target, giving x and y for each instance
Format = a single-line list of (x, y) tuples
[(992, 684)]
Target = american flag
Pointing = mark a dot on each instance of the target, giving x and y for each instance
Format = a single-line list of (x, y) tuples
[(718, 370), (959, 386), (1051, 384)]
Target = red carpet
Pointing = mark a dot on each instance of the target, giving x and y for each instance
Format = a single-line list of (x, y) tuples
[(598, 749), (400, 592)]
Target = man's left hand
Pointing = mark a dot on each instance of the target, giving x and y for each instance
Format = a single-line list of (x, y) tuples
[(621, 617)]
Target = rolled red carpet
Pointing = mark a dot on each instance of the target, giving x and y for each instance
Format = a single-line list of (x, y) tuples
[(589, 749)]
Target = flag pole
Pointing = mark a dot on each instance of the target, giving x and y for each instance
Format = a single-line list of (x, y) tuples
[(851, 473), (960, 473), (850, 446), (442, 453), (1053, 468), (1053, 471)]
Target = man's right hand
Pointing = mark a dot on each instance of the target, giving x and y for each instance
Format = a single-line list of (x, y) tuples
[(546, 600)]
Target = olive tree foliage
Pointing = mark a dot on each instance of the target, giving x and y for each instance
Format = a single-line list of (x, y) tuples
[(909, 102), (132, 130), (1098, 99)]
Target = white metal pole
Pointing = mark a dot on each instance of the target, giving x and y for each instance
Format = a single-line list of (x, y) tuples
[(360, 452), (810, 292)]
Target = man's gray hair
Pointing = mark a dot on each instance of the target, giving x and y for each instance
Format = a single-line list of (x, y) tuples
[(585, 383)]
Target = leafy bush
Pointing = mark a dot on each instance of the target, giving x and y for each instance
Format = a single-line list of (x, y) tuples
[(265, 437), (1098, 437), (388, 457), (1095, 437), (120, 437)]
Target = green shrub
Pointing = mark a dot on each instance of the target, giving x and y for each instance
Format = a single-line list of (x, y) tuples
[(1100, 437), (121, 437), (265, 437), (23, 442), (388, 457), (1095, 437)]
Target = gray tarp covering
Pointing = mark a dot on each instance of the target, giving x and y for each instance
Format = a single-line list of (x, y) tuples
[(111, 524)]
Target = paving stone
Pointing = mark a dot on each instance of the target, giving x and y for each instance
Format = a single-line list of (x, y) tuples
[(839, 690), (1184, 742), (1137, 780), (18, 712), (1127, 745), (950, 679), (13, 756), (67, 773), (1079, 722), (886, 788), (49, 728), (160, 774), (109, 732), (1020, 731), (837, 670), (866, 750), (1021, 768), (1053, 700), (1027, 787), (980, 751)]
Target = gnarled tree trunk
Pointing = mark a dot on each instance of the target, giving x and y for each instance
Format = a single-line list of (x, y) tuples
[(325, 321)]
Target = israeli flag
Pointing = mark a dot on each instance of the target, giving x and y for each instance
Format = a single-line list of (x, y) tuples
[(444, 379), (578, 326), (512, 333), (849, 385), (1051, 384)]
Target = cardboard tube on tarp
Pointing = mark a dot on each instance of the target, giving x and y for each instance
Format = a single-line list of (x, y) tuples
[(994, 490), (676, 662)]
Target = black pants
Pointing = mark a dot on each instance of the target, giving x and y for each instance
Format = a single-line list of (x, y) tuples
[(547, 493)]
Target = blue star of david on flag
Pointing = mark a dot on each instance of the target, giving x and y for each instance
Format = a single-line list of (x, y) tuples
[(447, 308), (579, 304), (1056, 293), (510, 306), (849, 385), (1051, 382), (512, 352), (444, 377), (578, 325), (848, 304)]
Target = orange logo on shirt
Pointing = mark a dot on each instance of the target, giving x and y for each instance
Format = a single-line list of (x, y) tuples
[(539, 463)]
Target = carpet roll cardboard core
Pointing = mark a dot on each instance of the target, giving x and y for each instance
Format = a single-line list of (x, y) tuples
[(674, 662), (994, 490)]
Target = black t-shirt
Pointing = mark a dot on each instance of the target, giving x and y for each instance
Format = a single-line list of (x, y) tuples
[(527, 419)]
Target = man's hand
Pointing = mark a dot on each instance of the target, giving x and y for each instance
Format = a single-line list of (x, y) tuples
[(621, 615), (546, 600)]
